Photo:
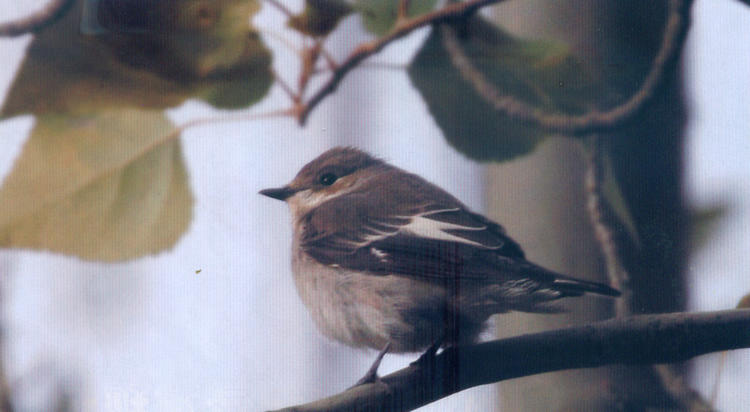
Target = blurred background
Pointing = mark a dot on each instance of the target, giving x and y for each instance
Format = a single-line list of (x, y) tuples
[(215, 323)]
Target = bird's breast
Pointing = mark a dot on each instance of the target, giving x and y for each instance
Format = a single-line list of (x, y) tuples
[(367, 310)]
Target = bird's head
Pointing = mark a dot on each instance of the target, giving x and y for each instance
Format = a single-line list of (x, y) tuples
[(333, 173)]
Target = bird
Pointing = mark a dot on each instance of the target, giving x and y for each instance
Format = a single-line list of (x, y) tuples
[(384, 259)]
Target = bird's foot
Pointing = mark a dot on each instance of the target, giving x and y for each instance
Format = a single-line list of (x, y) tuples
[(428, 357), (371, 376)]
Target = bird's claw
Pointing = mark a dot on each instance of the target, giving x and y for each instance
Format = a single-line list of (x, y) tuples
[(371, 376), (428, 357)]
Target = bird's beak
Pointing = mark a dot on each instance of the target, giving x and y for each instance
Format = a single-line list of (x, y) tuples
[(280, 193)]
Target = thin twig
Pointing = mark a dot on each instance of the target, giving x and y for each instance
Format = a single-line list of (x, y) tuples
[(332, 65), (310, 57), (36, 21), (631, 340), (593, 121), (601, 221), (285, 86), (365, 50)]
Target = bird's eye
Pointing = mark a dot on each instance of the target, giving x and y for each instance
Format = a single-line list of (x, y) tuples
[(327, 179)]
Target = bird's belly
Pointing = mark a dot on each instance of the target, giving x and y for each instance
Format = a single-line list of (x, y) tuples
[(370, 310)]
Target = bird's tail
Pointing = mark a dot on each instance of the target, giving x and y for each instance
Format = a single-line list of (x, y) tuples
[(575, 287), (561, 286), (567, 285), (532, 288)]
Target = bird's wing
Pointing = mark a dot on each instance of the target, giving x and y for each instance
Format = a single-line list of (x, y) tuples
[(425, 234), (437, 239)]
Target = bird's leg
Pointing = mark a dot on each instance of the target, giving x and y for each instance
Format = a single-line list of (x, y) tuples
[(372, 374), (429, 354)]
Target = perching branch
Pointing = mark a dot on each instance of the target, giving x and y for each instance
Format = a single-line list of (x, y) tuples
[(403, 27), (36, 21), (645, 339), (593, 121)]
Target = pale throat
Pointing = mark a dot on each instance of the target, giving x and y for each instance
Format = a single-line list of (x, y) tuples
[(306, 200)]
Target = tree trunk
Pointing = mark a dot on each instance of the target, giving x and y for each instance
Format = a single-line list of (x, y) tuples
[(540, 199)]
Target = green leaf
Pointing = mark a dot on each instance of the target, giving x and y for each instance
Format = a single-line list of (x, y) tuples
[(379, 16), (188, 49), (540, 73), (320, 17), (108, 186)]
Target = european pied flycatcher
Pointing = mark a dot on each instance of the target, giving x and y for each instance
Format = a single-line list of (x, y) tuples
[(383, 258)]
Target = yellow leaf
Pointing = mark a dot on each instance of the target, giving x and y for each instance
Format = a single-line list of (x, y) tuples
[(106, 186)]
